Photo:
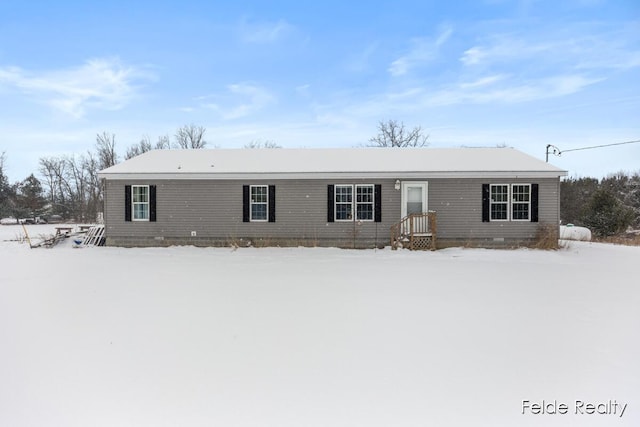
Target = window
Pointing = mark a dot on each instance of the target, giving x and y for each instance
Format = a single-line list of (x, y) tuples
[(259, 202), (364, 202), (510, 202), (140, 202), (364, 205), (520, 202), (499, 202), (344, 202)]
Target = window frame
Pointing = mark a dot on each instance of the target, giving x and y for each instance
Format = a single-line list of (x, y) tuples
[(372, 203), (134, 203), (354, 210), (506, 202), (514, 202), (336, 203), (265, 203)]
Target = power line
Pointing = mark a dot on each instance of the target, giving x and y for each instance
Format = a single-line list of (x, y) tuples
[(557, 152), (600, 146)]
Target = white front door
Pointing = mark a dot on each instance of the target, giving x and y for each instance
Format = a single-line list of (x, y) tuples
[(414, 197)]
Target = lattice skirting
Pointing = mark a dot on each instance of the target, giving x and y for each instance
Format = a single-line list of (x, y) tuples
[(421, 243)]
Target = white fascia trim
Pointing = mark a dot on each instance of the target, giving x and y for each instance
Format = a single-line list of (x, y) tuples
[(334, 175)]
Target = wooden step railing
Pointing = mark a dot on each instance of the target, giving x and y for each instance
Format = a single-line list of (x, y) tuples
[(415, 231)]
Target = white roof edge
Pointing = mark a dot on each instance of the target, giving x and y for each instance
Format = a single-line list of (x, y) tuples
[(222, 164), (332, 175)]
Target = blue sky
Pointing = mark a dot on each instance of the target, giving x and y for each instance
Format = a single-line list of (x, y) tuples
[(323, 74)]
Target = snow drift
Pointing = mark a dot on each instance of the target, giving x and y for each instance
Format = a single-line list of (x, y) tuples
[(315, 337)]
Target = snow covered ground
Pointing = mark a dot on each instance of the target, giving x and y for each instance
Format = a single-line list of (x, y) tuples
[(188, 336)]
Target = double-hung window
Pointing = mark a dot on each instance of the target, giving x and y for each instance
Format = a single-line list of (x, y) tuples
[(364, 202), (258, 203), (510, 202), (344, 202), (359, 202), (140, 202), (259, 200), (499, 202), (520, 202)]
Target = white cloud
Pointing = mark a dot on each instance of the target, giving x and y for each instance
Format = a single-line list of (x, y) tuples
[(303, 90), (241, 100), (580, 46), (495, 90), (361, 61), (473, 56), (423, 50), (98, 84), (510, 91), (504, 48), (483, 81), (543, 64), (264, 32)]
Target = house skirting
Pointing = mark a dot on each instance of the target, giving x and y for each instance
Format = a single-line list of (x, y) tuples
[(130, 242), (241, 242)]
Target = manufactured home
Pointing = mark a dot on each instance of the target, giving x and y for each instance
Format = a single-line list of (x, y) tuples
[(354, 198)]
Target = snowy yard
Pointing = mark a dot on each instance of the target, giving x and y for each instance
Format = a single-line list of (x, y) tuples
[(188, 336)]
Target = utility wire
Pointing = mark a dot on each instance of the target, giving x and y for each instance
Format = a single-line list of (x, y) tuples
[(599, 146), (557, 152)]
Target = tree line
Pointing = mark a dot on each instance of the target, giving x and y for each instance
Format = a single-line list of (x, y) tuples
[(608, 206), (69, 186)]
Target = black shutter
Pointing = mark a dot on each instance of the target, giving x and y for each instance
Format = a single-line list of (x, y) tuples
[(534, 202), (272, 203), (377, 200), (485, 202), (127, 203), (246, 216), (330, 200), (152, 203)]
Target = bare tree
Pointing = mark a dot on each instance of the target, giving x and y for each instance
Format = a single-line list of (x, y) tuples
[(72, 187), (57, 187), (190, 136), (393, 134), (262, 144), (106, 148), (142, 147), (164, 143), (93, 197), (76, 185)]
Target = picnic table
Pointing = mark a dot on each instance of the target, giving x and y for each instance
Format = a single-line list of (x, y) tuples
[(63, 230)]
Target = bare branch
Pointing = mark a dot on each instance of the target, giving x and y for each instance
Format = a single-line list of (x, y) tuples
[(106, 150), (394, 134), (262, 144), (190, 137), (142, 147), (164, 143)]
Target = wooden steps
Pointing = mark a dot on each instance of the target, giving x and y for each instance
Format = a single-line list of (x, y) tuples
[(94, 236), (415, 232)]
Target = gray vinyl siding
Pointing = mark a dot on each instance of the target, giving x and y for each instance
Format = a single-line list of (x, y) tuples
[(458, 204), (213, 209)]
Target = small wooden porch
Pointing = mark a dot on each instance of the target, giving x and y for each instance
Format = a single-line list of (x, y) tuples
[(415, 232)]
